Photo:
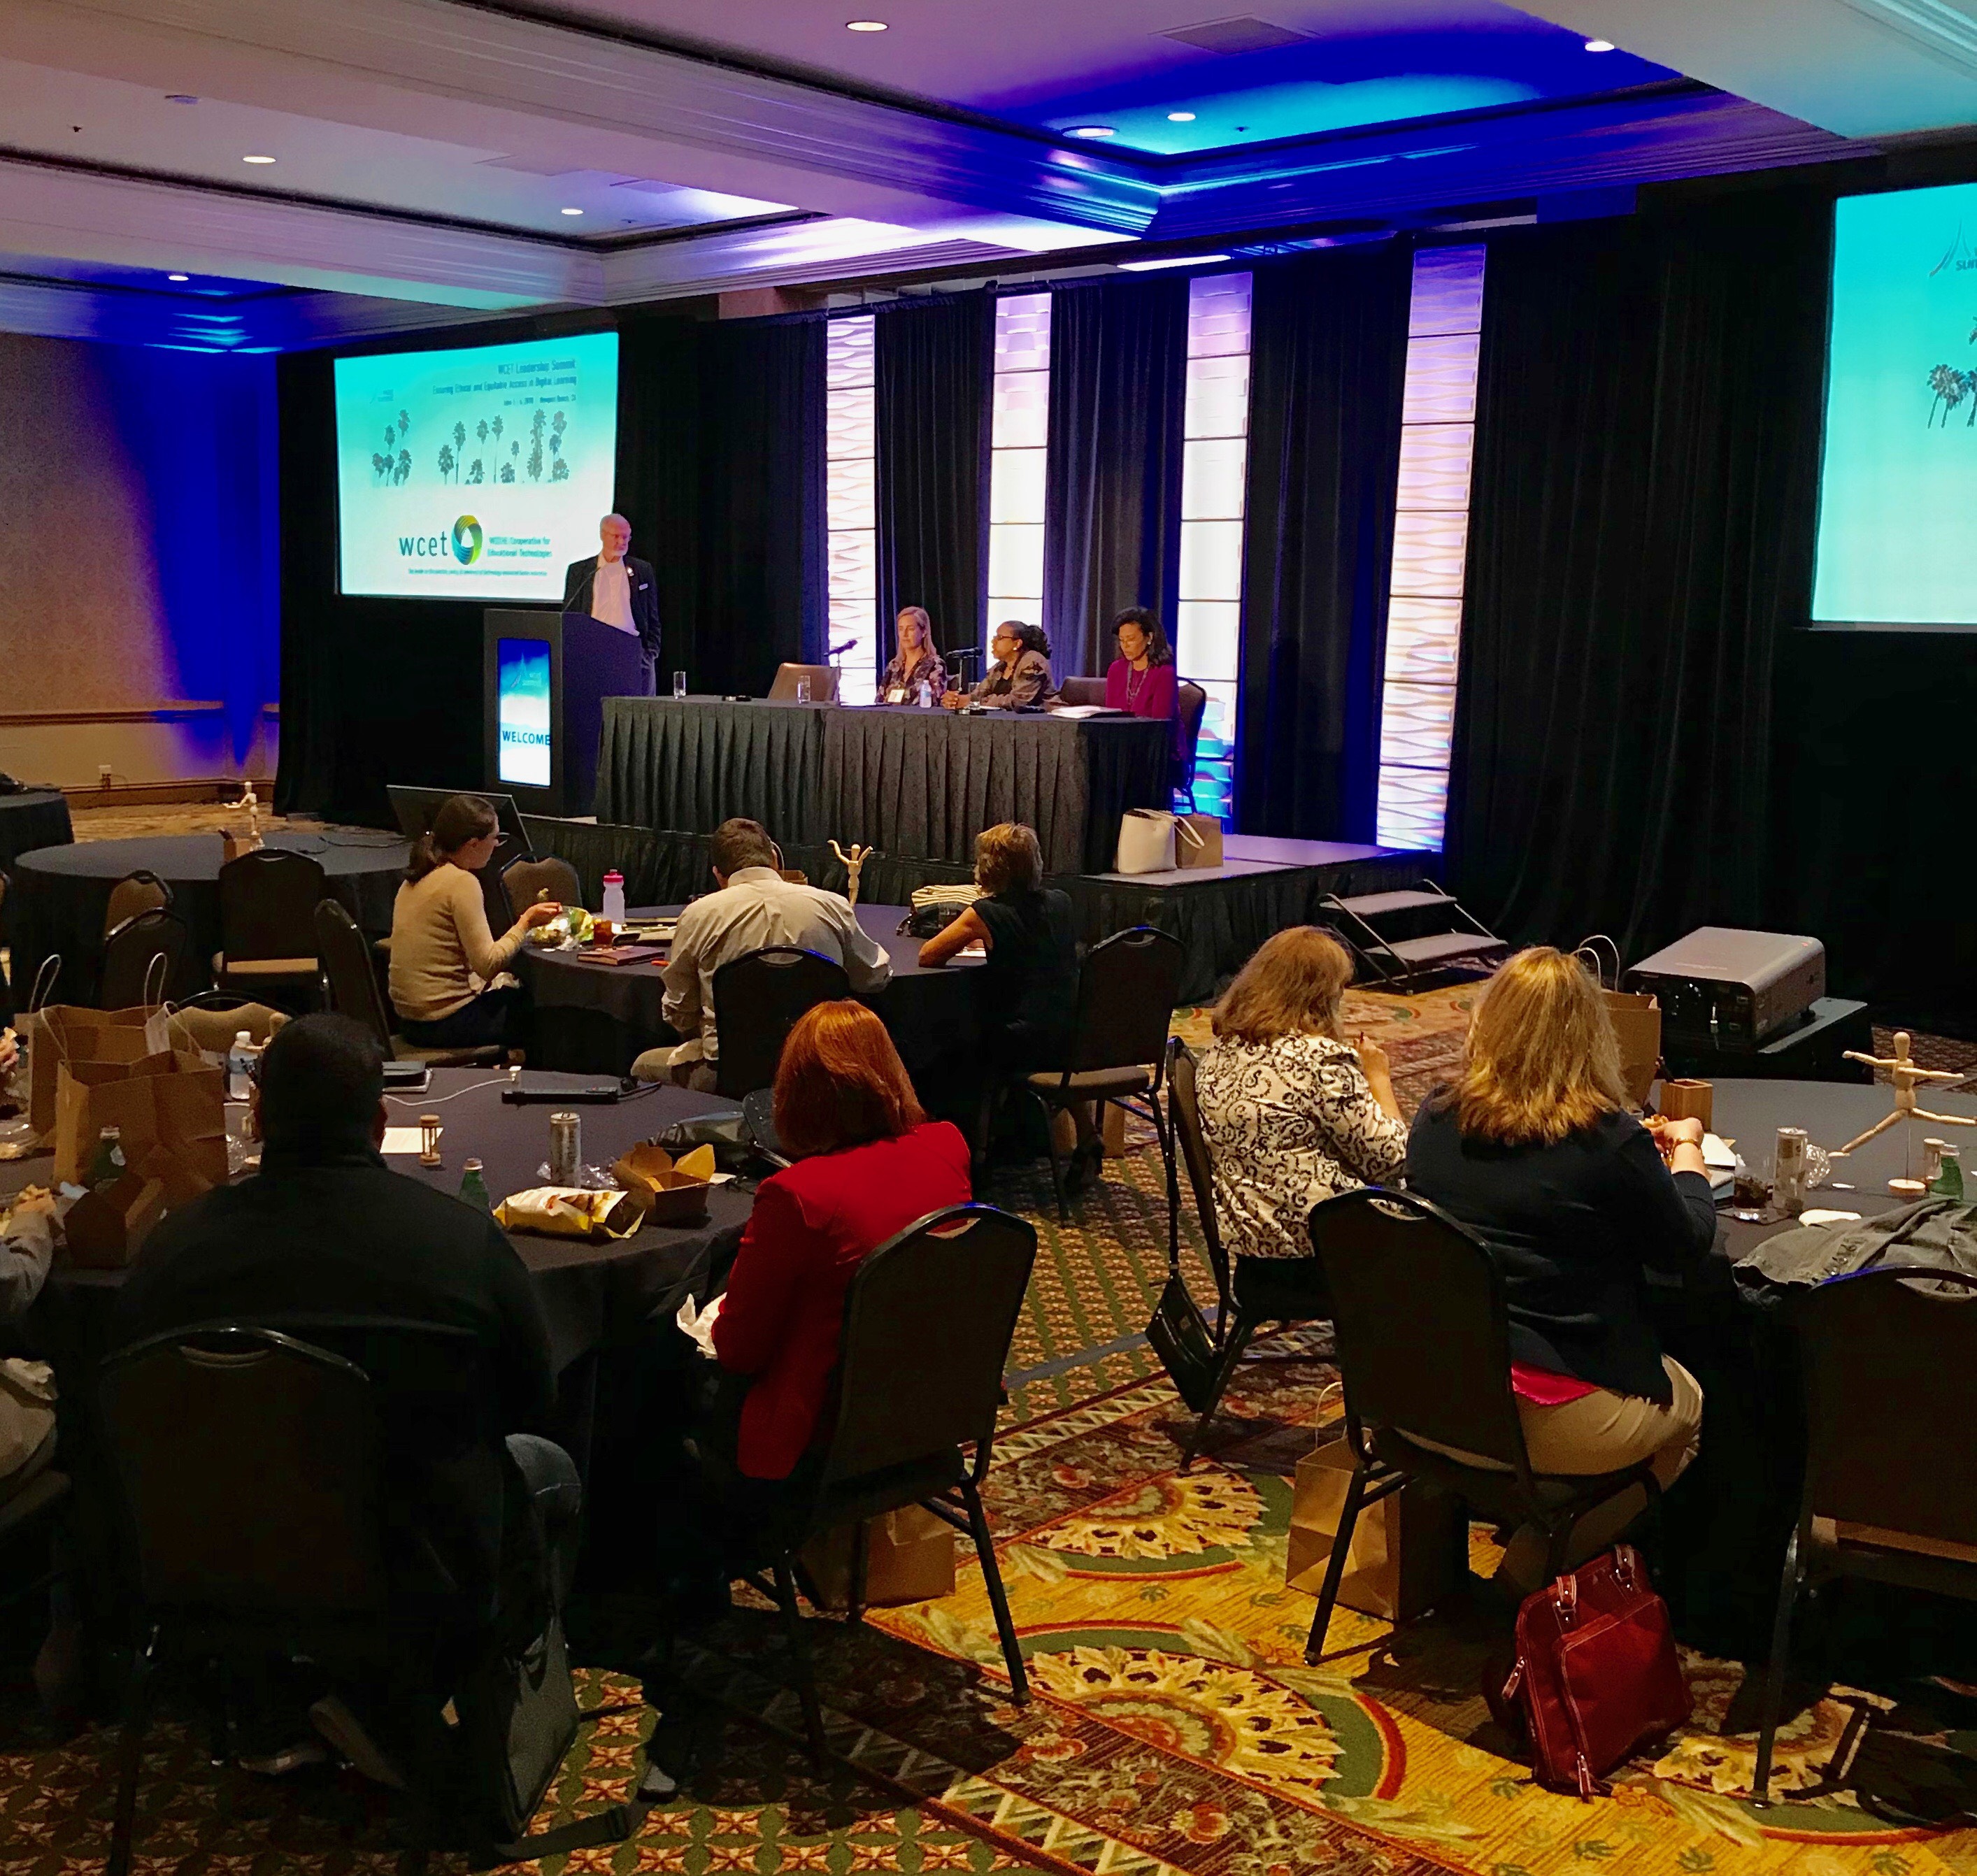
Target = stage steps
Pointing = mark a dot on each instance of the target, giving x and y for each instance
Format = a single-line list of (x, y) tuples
[(1402, 936)]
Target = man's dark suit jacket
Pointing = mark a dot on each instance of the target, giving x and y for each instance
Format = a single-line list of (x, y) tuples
[(645, 599)]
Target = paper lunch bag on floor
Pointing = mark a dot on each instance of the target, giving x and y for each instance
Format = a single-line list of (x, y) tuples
[(1409, 1551), (909, 1558)]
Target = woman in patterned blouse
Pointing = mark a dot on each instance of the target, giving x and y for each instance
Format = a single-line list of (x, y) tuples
[(1292, 1113)]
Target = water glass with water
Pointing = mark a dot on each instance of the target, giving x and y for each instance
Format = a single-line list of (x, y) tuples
[(802, 689), (679, 684)]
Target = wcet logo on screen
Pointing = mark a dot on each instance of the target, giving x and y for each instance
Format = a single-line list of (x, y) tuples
[(466, 539)]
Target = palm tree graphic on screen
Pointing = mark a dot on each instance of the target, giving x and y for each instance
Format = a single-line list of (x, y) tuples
[(445, 460)]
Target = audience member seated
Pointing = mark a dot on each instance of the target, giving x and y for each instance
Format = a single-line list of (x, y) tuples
[(868, 1163), (1533, 1148), (915, 663), (754, 908), (1292, 1113), (1020, 677), (444, 958), (326, 1232)]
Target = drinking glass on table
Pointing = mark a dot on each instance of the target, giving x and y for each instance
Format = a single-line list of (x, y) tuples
[(802, 689), (679, 684)]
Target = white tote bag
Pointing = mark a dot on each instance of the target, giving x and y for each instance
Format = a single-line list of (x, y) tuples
[(1146, 842)]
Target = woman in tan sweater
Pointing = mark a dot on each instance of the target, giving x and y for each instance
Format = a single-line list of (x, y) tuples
[(443, 954)]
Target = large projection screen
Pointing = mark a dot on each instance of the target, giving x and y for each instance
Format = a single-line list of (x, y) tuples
[(474, 474), (1898, 486)]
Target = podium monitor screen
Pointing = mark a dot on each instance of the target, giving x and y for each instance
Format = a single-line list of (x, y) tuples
[(523, 713), (479, 474)]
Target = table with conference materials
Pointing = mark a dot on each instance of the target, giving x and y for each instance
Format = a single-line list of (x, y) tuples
[(927, 1012), (60, 893), (914, 783)]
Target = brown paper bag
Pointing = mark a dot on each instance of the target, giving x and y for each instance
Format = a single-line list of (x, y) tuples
[(64, 1033), (909, 1558), (103, 1231), (171, 1111), (1637, 1024), (1197, 840), (1408, 1550)]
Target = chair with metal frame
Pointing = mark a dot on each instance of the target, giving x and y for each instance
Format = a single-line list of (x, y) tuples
[(508, 848), (1127, 989), (1406, 1277), (132, 955), (757, 999), (1890, 1360), (928, 1320), (142, 891), (1240, 1315), (526, 880), (758, 1122), (352, 979), (267, 907)]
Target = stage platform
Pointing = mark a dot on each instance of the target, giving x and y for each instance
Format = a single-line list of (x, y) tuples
[(1219, 914)]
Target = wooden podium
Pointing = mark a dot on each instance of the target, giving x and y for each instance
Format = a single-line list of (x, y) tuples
[(545, 675)]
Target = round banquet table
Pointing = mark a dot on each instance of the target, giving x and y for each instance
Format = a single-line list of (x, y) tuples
[(36, 817), (60, 893), (929, 1013)]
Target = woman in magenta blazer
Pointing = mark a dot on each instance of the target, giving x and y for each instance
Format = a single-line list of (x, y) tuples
[(1142, 678), (869, 1163)]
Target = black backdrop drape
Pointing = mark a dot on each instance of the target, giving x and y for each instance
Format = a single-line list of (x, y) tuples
[(719, 470), (934, 365), (1329, 338), (1640, 537), (1112, 500)]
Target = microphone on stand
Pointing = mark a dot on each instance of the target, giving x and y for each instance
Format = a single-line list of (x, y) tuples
[(838, 650)]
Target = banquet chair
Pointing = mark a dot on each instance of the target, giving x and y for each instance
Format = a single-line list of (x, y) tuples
[(1127, 989), (139, 891), (758, 1123), (757, 1001), (1244, 1290), (1192, 701), (130, 956), (525, 880), (267, 906), (823, 683), (928, 1320), (1082, 691), (1890, 1360), (508, 848), (354, 992), (1422, 1330)]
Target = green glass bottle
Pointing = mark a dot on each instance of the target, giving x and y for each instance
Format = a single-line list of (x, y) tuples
[(1949, 1177), (474, 1188), (107, 1168)]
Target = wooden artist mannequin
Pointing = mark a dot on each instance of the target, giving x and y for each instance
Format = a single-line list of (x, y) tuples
[(1905, 1075)]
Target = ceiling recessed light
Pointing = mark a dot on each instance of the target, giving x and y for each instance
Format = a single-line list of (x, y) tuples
[(864, 25), (180, 278), (1599, 45), (1180, 116), (257, 159), (573, 211), (1093, 130)]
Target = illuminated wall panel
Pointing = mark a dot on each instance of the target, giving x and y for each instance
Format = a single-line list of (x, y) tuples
[(851, 502)]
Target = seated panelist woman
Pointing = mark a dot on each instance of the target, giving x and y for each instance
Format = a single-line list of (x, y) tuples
[(443, 954), (1019, 679), (915, 663), (1141, 679)]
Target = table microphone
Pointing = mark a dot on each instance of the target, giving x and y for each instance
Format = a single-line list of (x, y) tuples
[(838, 650)]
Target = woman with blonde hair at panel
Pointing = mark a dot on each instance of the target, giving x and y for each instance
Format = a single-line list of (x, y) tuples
[(1533, 1148)]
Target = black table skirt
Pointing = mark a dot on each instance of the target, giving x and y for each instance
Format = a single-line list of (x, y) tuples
[(60, 893), (38, 818), (914, 784)]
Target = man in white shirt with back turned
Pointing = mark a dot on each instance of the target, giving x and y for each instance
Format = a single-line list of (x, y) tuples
[(617, 590), (755, 908)]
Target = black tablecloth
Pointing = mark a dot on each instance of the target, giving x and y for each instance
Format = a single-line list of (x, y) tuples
[(60, 893), (929, 1013), (38, 819), (914, 783)]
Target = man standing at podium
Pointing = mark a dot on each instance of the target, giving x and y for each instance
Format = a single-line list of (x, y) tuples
[(617, 591)]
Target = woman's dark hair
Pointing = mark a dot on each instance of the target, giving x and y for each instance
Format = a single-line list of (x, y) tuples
[(1158, 651), (1035, 639), (461, 818)]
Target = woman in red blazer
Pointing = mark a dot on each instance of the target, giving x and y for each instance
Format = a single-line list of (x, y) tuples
[(869, 1163)]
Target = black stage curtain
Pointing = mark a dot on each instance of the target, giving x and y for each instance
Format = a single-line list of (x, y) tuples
[(1329, 338), (1118, 386), (720, 461), (373, 690), (1641, 538), (934, 370)]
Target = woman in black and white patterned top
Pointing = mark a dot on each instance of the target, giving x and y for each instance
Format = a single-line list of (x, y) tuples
[(1292, 1112)]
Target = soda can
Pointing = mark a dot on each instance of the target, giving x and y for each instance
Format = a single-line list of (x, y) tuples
[(566, 1147), (1788, 1171)]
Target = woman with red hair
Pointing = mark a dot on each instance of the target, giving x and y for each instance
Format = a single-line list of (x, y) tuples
[(868, 1163)]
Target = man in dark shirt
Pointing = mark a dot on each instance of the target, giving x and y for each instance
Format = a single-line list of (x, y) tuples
[(329, 1244)]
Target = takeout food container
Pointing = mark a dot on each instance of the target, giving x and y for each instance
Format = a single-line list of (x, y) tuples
[(570, 1211), (668, 1192)]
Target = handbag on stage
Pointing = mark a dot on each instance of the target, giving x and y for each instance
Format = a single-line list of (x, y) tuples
[(1146, 842)]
